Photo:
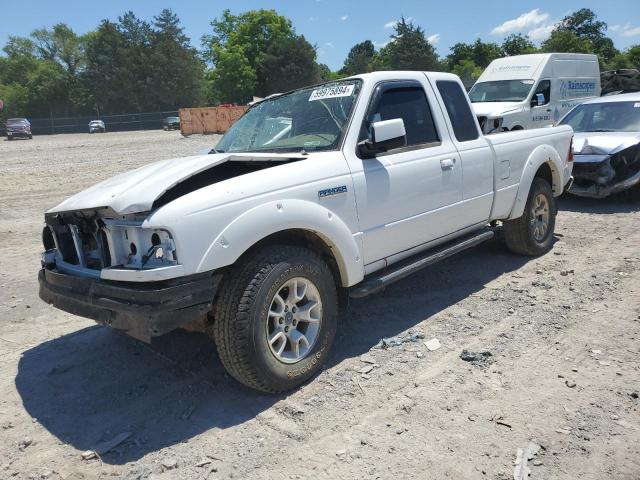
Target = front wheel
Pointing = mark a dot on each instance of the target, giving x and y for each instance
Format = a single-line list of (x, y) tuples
[(275, 318), (532, 233)]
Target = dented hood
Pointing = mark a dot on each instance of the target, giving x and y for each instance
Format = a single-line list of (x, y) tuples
[(603, 143), (135, 191)]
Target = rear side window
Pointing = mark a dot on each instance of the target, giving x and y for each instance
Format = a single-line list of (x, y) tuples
[(462, 119), (410, 104)]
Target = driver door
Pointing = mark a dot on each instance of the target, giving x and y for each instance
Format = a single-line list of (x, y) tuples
[(542, 113), (404, 195)]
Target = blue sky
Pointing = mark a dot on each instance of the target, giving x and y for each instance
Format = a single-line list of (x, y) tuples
[(336, 25)]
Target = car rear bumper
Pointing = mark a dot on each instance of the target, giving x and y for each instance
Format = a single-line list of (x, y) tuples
[(141, 310)]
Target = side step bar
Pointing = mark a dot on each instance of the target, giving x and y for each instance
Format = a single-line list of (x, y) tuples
[(403, 269)]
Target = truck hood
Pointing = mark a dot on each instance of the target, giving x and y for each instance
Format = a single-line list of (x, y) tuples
[(603, 143), (495, 109), (135, 191)]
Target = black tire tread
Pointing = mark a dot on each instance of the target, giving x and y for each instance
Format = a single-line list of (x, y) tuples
[(231, 328), (516, 232)]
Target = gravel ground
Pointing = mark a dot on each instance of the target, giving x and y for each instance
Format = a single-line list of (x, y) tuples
[(562, 330)]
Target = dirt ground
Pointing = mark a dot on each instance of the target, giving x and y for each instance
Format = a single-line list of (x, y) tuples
[(563, 331)]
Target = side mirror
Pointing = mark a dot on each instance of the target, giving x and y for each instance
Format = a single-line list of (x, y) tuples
[(538, 99), (384, 136)]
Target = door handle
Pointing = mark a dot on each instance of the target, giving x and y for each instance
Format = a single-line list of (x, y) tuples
[(447, 163)]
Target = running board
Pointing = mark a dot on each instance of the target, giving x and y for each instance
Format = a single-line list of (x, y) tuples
[(403, 269)]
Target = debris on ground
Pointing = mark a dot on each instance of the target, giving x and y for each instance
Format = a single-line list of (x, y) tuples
[(169, 463), (479, 359), (433, 344), (25, 442), (570, 383), (399, 340), (105, 446), (366, 358), (523, 455), (365, 369)]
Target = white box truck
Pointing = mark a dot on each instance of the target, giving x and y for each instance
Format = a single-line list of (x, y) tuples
[(532, 91)]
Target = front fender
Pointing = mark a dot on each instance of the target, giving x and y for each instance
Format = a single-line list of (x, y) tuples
[(540, 155), (259, 222)]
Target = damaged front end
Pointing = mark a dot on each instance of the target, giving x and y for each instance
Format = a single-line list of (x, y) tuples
[(599, 171), (119, 273)]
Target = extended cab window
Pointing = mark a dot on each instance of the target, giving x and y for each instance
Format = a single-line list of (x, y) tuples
[(462, 119), (410, 104)]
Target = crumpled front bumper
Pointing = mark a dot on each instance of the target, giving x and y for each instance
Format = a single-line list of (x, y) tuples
[(142, 310)]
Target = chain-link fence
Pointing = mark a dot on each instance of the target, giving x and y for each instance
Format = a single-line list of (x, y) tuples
[(113, 123)]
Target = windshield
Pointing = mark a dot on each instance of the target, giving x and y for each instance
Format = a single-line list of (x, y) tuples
[(17, 121), (310, 119), (501, 91), (173, 119), (604, 117)]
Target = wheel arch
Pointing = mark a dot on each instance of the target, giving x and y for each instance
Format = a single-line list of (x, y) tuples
[(543, 162), (289, 222)]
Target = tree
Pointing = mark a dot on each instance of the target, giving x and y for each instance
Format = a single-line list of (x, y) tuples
[(633, 54), (250, 35), (359, 59), (177, 72), (468, 72), (290, 64), (479, 52), (584, 25), (407, 50), (565, 41), (517, 44)]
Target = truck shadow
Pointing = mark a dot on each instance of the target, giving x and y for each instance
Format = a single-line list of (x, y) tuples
[(90, 386)]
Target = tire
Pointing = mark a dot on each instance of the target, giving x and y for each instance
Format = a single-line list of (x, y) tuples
[(30, 137), (9, 138), (244, 319), (520, 234)]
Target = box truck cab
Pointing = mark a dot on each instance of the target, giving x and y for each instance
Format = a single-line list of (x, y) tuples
[(532, 91)]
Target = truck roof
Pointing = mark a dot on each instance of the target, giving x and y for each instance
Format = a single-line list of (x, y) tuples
[(395, 74)]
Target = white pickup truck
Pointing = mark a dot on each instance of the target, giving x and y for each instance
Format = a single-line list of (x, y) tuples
[(341, 187)]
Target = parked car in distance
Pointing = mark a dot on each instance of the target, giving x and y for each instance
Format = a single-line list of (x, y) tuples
[(96, 126), (532, 91), (606, 145), (357, 183), (171, 123), (18, 128)]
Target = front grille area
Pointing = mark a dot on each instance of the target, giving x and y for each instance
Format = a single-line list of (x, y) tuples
[(81, 246)]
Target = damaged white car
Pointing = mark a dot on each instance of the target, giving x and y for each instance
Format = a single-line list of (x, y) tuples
[(606, 145), (344, 187)]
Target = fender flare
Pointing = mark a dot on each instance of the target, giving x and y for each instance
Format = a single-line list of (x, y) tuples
[(272, 217), (540, 155)]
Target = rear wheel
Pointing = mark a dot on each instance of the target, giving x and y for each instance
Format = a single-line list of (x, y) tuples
[(532, 233), (275, 318)]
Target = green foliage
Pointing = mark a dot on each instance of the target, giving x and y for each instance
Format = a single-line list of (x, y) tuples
[(581, 32), (408, 50), (565, 41), (359, 59), (517, 44), (468, 72), (290, 64), (242, 43), (479, 52), (126, 66)]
